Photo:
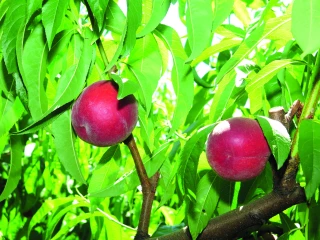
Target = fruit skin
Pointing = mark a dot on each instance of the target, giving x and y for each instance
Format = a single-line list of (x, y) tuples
[(99, 118), (237, 149)]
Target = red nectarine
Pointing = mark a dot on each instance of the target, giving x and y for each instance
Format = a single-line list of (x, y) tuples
[(237, 149), (99, 118)]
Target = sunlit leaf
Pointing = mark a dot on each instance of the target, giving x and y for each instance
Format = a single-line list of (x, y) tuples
[(309, 152), (219, 47), (34, 64), (146, 64), (155, 15), (52, 15), (273, 28), (198, 32), (278, 139), (128, 180), (181, 75), (64, 142), (189, 157), (206, 201), (11, 116), (222, 96), (305, 25), (11, 27), (134, 16), (15, 167), (99, 9), (222, 9)]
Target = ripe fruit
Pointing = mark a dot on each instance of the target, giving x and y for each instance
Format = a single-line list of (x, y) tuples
[(237, 149), (99, 118)]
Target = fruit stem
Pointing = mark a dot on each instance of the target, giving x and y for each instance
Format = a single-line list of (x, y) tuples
[(148, 189)]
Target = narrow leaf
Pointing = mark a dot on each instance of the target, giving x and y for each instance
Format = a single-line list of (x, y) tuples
[(11, 116), (34, 61), (278, 138), (206, 202), (181, 76), (189, 158), (214, 49), (266, 73), (125, 181), (14, 19), (305, 25), (134, 16), (222, 9), (15, 167), (99, 9), (222, 96), (157, 13), (198, 32), (52, 15), (50, 205), (64, 142), (145, 59), (309, 153), (72, 81), (272, 29)]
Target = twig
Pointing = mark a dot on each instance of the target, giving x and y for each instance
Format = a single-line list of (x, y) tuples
[(148, 189)]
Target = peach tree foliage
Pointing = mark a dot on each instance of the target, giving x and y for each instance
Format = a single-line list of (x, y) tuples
[(189, 64)]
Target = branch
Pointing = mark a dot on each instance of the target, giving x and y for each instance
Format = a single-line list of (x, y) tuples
[(148, 189), (229, 225)]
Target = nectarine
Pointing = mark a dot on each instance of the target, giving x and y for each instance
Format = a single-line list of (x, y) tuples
[(237, 149), (99, 118)]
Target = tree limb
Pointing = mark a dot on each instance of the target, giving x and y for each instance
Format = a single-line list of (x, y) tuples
[(228, 225)]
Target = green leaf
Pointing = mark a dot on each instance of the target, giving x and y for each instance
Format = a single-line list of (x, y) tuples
[(272, 29), (309, 153), (4, 6), (49, 206), (45, 120), (72, 81), (103, 186), (313, 222), (145, 62), (106, 171), (206, 202), (181, 75), (117, 54), (225, 44), (64, 142), (222, 97), (278, 139), (32, 7), (99, 9), (187, 174), (199, 33), (52, 15), (268, 71), (222, 9), (10, 116), (34, 61), (11, 26), (305, 25), (54, 220), (115, 19), (126, 87), (155, 16), (15, 167), (134, 16)]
